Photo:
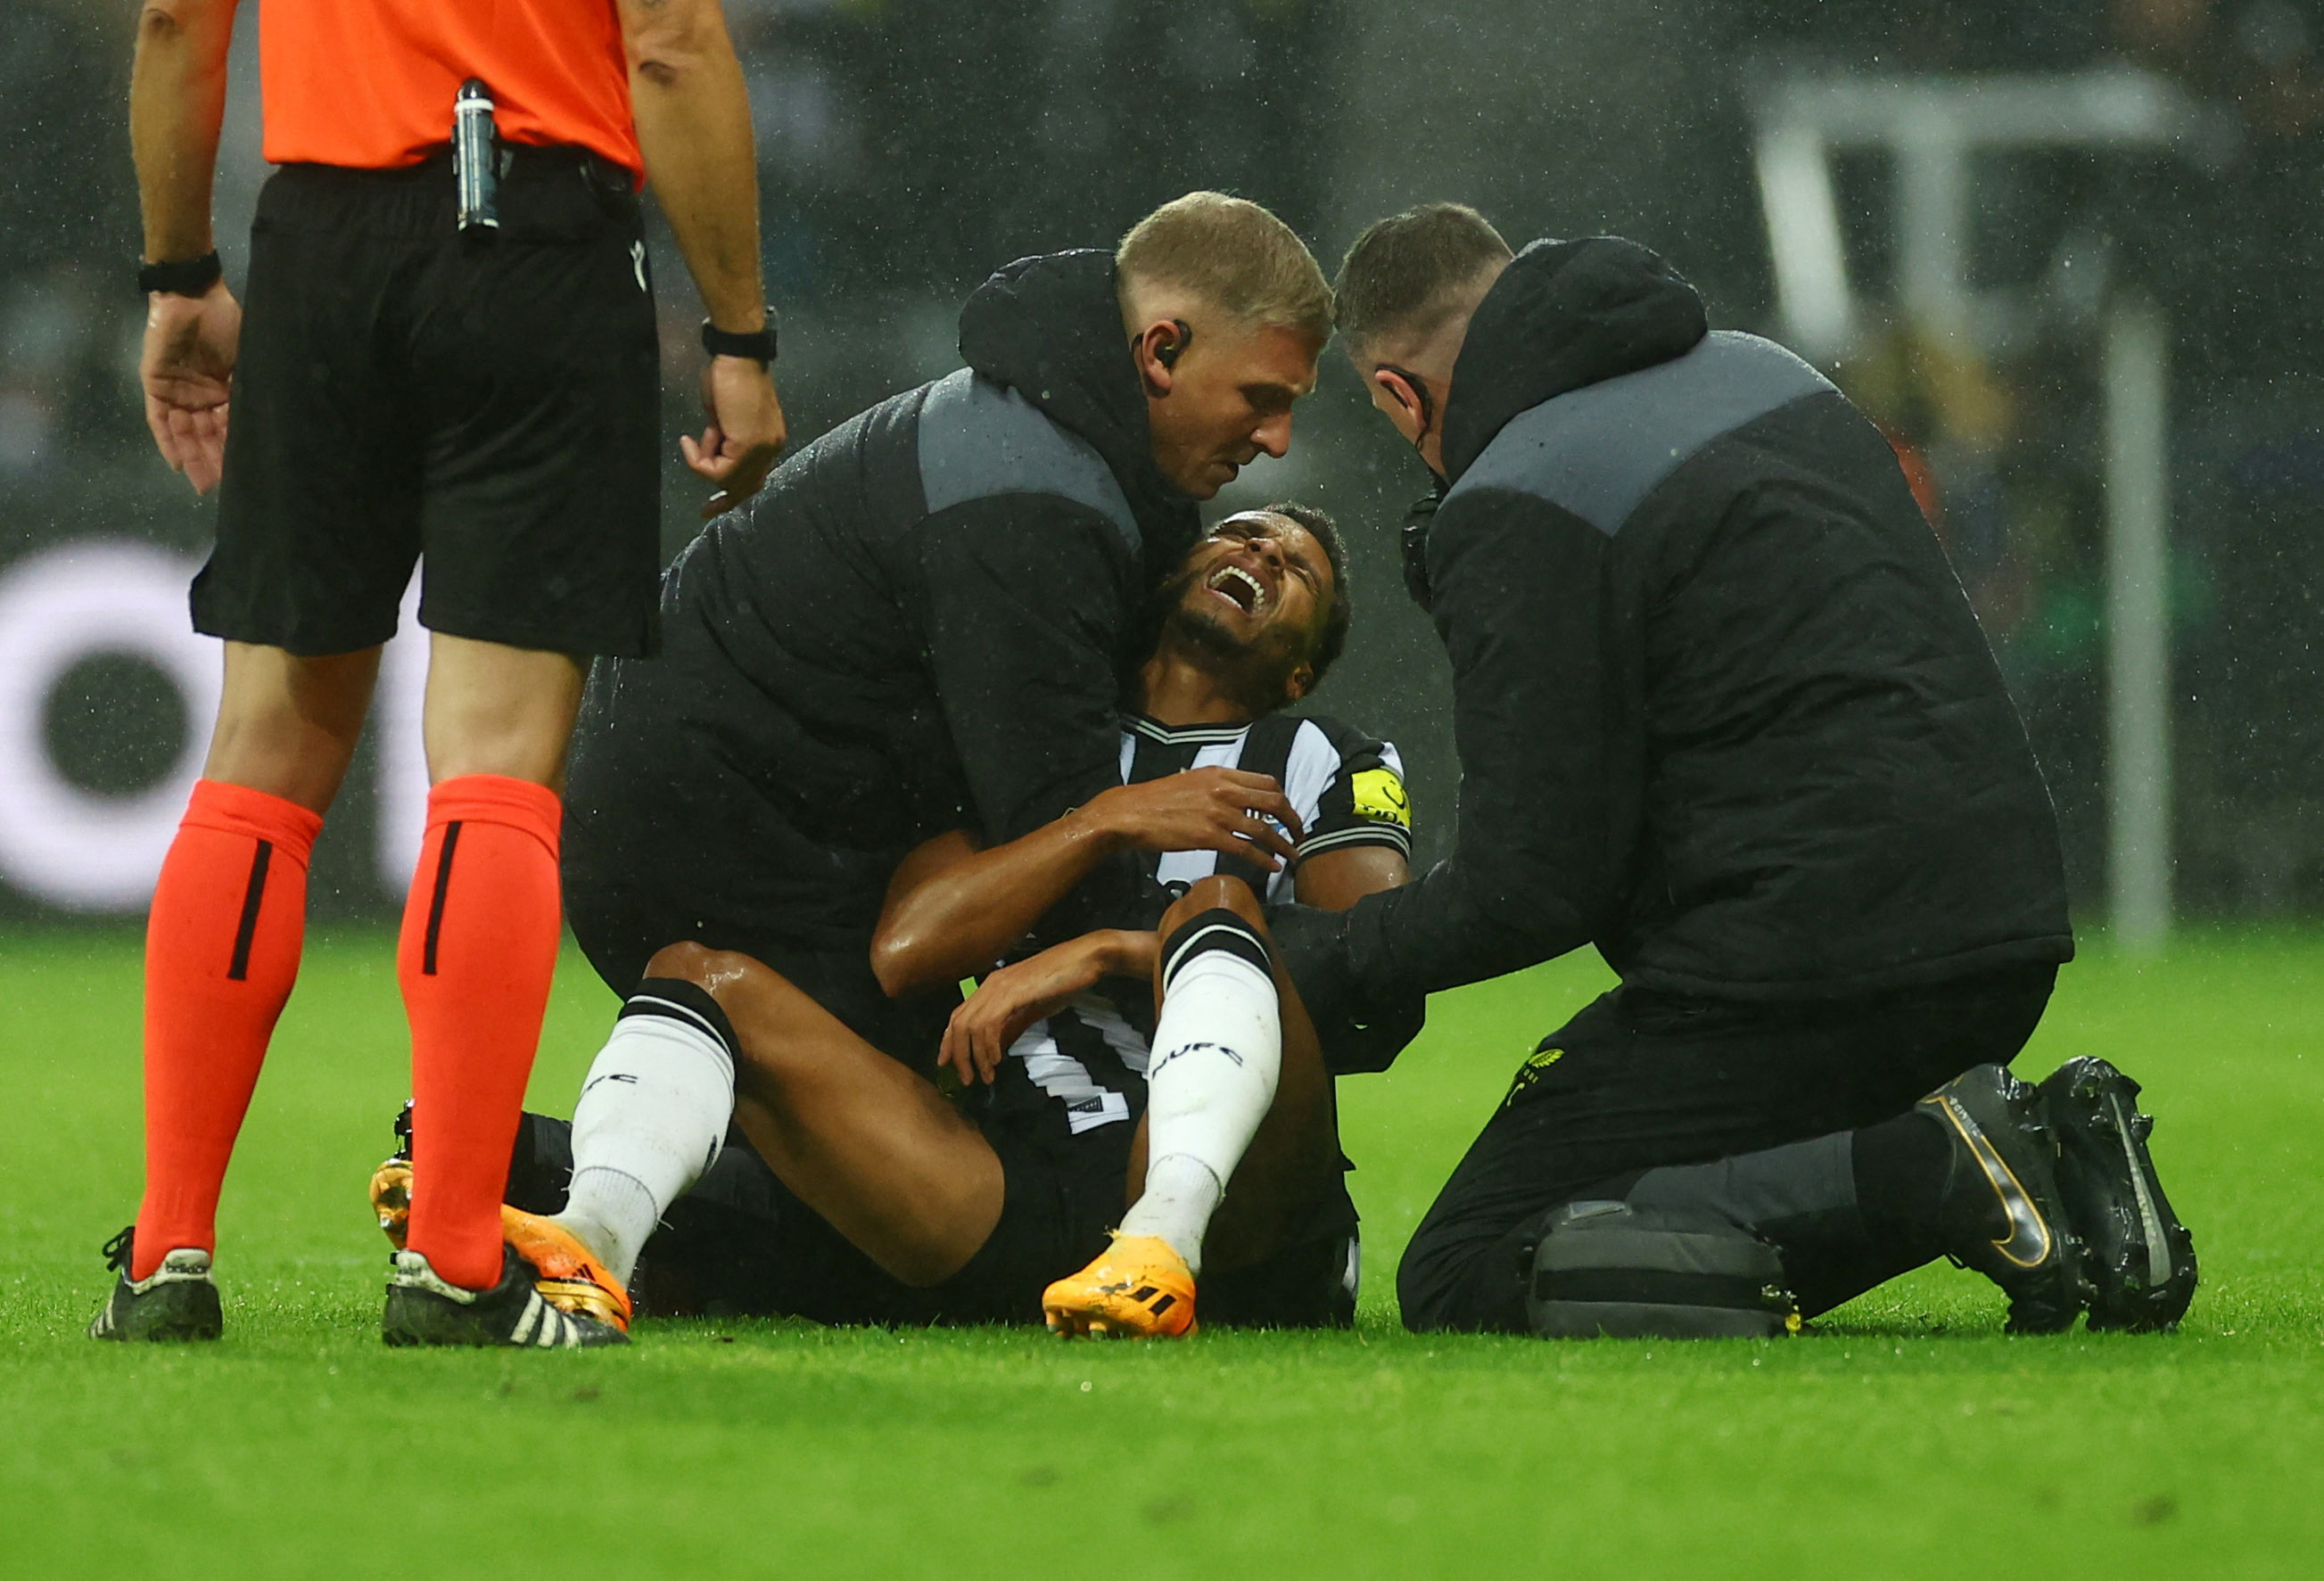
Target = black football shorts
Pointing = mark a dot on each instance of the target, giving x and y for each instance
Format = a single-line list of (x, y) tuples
[(403, 390)]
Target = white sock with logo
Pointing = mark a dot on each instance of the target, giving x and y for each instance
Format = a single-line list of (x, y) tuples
[(1218, 1052), (652, 1118)]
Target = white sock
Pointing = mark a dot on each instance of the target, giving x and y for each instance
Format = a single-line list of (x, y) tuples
[(1218, 1052), (653, 1117)]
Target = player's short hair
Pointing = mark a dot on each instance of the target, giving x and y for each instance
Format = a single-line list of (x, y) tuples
[(1332, 639), (1404, 275), (1234, 254)]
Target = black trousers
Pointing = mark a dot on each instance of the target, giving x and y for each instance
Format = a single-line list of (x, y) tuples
[(1641, 1079)]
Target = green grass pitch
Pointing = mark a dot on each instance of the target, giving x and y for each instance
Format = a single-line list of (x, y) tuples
[(1902, 1436)]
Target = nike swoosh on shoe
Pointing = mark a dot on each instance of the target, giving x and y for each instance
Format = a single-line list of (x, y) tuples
[(2028, 1241)]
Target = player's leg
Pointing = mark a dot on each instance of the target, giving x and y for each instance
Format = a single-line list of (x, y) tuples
[(1281, 1251), (1291, 1164), (867, 1144), (1216, 1066)]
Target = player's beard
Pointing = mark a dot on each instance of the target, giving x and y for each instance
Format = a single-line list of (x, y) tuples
[(1254, 673)]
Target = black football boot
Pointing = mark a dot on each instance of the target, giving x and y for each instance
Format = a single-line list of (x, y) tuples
[(2139, 1258), (174, 1304), (2002, 1209), (424, 1308)]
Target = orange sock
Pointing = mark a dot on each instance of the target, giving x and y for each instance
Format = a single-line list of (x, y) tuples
[(222, 943), (479, 946)]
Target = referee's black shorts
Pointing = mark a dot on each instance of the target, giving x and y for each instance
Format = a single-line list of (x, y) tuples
[(401, 390)]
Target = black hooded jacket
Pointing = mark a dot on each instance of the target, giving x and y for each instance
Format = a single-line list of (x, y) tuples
[(1721, 706), (923, 621)]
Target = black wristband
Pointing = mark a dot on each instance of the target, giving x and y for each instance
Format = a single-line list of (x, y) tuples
[(759, 345), (188, 277)]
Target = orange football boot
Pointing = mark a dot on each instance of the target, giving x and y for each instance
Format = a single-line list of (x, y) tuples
[(571, 1278), (390, 1197), (1137, 1289)]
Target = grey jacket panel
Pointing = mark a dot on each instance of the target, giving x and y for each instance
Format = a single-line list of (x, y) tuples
[(978, 439), (1600, 450)]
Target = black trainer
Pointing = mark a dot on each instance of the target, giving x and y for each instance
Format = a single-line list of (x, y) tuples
[(2139, 1258), (425, 1310), (2002, 1202), (174, 1304)]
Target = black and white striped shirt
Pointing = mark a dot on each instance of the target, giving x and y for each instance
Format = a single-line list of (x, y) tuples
[(1347, 790)]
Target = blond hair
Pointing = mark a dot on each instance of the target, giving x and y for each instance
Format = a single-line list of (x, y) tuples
[(1234, 254)]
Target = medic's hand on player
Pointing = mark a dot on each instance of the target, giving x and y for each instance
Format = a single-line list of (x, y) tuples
[(746, 431), (1012, 999), (1224, 810), (186, 367)]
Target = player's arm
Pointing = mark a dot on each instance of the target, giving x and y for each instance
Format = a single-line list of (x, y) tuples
[(1362, 842), (1014, 997), (693, 115), (177, 101), (980, 1033), (1337, 879), (953, 909)]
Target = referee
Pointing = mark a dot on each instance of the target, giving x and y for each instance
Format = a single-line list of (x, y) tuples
[(459, 365)]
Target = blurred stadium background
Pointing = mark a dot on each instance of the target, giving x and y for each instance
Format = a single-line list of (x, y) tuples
[(908, 146)]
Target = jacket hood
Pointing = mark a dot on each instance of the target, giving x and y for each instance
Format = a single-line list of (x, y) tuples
[(1049, 328), (1564, 315)]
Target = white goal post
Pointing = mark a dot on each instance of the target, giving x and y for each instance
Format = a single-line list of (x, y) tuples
[(1930, 128)]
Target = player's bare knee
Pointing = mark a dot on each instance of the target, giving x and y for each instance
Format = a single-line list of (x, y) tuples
[(1216, 893), (711, 970)]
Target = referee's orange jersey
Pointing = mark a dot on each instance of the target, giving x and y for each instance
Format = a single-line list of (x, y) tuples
[(370, 83)]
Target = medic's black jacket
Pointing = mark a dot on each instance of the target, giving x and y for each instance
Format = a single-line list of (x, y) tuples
[(1721, 706), (922, 622)]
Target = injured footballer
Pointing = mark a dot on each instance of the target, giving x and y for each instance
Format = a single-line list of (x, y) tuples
[(1124, 1112)]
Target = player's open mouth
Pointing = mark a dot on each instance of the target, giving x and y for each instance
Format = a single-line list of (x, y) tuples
[(1237, 587)]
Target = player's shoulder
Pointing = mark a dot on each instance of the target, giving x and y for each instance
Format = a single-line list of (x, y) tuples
[(1348, 783), (1352, 747)]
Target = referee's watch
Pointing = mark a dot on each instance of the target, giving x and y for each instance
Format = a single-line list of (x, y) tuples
[(759, 345), (187, 277)]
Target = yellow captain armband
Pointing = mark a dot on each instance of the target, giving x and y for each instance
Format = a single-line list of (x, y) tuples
[(1379, 795)]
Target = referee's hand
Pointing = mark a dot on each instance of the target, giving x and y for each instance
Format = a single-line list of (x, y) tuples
[(746, 433), (186, 367)]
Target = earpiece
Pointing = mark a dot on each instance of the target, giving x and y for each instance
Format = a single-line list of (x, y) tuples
[(1167, 353)]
